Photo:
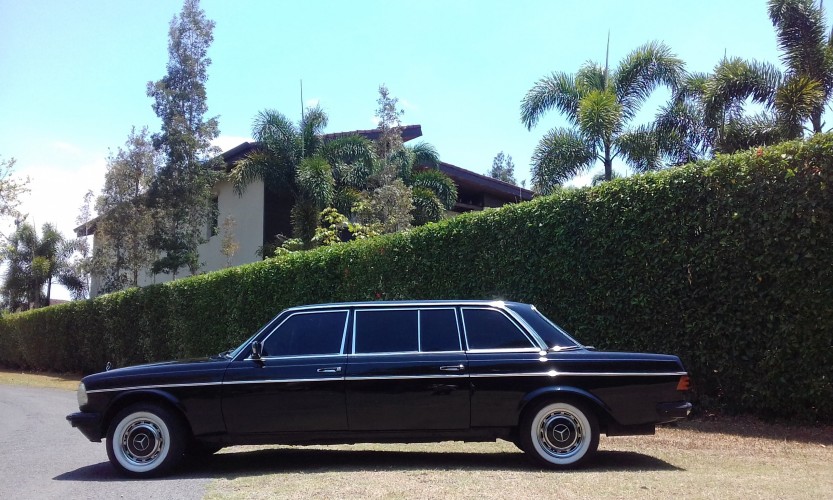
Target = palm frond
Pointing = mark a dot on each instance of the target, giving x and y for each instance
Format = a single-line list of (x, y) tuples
[(640, 148), (555, 91), (641, 71), (599, 115), (591, 76), (427, 207), (425, 155), (438, 183), (802, 38), (747, 132), (315, 181), (352, 159), (312, 126), (561, 154), (795, 102)]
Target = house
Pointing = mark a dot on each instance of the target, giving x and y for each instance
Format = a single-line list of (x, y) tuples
[(260, 214)]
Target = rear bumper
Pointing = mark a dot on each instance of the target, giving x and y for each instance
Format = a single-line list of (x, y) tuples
[(88, 423), (669, 412)]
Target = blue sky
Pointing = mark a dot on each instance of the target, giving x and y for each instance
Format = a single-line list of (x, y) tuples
[(74, 73)]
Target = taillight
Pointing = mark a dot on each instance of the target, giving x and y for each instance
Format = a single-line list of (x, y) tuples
[(684, 384)]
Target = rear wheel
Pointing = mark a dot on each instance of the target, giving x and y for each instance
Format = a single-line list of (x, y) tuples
[(559, 434), (145, 440)]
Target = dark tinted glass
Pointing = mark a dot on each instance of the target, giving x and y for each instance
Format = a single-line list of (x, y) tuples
[(438, 330), (549, 333), (307, 334), (489, 329), (386, 331)]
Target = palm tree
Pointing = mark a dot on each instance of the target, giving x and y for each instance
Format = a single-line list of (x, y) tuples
[(708, 114), (598, 104), (298, 159), (36, 261), (433, 192), (807, 54)]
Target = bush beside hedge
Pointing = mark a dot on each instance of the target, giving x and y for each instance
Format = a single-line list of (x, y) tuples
[(727, 263)]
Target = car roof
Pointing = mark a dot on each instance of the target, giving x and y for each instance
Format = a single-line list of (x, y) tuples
[(405, 303)]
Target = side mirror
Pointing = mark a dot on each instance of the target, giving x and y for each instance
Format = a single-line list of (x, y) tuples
[(257, 350)]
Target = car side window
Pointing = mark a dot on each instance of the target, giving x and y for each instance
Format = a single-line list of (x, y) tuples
[(386, 331), (491, 329), (438, 330), (308, 334)]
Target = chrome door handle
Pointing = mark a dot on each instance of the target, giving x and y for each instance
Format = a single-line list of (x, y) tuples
[(332, 369), (452, 368)]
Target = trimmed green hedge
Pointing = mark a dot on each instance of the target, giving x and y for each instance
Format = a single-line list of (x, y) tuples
[(727, 263)]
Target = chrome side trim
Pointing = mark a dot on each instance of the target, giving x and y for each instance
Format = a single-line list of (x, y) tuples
[(554, 373), (407, 377), (284, 381), (551, 373), (158, 386)]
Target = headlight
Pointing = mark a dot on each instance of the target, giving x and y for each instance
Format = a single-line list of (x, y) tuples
[(82, 395)]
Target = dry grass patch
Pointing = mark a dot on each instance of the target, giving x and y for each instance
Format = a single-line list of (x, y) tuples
[(45, 379), (723, 459)]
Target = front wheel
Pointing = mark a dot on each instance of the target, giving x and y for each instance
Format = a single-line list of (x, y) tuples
[(145, 440), (559, 434)]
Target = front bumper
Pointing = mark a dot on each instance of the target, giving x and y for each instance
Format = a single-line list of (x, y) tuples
[(88, 423), (669, 412)]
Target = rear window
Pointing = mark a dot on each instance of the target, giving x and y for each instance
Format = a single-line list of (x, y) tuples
[(491, 329), (550, 333)]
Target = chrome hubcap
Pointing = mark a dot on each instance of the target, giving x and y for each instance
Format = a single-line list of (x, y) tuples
[(560, 433), (141, 442)]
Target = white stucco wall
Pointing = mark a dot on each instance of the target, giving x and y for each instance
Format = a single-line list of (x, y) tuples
[(247, 211)]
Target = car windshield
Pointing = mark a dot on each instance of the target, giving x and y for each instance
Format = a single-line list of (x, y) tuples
[(233, 354), (552, 335)]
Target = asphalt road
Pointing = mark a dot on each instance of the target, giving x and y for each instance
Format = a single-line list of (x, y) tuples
[(42, 457)]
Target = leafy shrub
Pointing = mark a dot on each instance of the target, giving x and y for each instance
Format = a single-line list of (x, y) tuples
[(727, 263)]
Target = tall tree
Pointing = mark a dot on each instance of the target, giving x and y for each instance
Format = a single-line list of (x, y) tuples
[(807, 53), (126, 222), (11, 188), (708, 112), (430, 192), (503, 168), (389, 116), (34, 262), (181, 192), (598, 104), (297, 159)]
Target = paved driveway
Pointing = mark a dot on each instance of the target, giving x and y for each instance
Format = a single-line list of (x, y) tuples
[(42, 457)]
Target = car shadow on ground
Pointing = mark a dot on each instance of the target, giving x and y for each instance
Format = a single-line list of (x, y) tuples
[(310, 461)]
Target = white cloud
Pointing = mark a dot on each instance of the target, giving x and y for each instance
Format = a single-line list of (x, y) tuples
[(66, 147), (56, 192), (311, 103), (408, 105), (375, 121)]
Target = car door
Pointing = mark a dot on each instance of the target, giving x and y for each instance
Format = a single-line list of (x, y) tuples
[(297, 384), (407, 370), (505, 364)]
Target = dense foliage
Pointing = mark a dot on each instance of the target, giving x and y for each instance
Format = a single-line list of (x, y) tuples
[(726, 263)]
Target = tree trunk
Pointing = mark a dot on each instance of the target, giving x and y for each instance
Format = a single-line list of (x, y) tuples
[(816, 119), (608, 161), (48, 290)]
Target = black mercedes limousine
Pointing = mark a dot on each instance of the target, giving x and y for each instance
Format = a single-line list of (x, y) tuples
[(406, 371)]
